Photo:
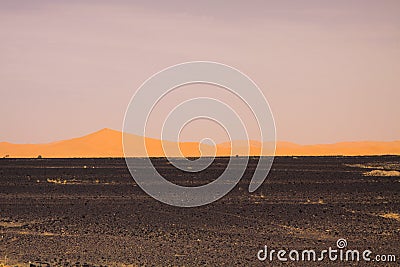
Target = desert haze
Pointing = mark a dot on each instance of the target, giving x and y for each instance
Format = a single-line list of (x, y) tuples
[(108, 143)]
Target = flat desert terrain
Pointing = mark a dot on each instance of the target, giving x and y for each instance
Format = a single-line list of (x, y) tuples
[(90, 212)]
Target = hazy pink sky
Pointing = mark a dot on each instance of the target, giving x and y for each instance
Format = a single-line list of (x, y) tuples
[(329, 69)]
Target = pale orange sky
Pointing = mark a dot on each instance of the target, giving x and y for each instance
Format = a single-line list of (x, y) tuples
[(329, 69)]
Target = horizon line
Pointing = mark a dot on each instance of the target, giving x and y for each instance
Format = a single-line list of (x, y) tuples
[(228, 141)]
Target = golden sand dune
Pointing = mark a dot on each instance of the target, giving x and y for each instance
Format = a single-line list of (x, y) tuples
[(342, 148), (108, 143)]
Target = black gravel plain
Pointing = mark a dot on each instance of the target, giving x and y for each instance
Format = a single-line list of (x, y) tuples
[(90, 212)]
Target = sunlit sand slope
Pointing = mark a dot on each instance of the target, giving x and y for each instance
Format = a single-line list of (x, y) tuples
[(108, 143)]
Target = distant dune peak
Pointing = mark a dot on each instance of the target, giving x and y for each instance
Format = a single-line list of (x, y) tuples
[(106, 131), (107, 142)]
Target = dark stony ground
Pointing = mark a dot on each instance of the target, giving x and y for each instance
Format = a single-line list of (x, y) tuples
[(89, 211)]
